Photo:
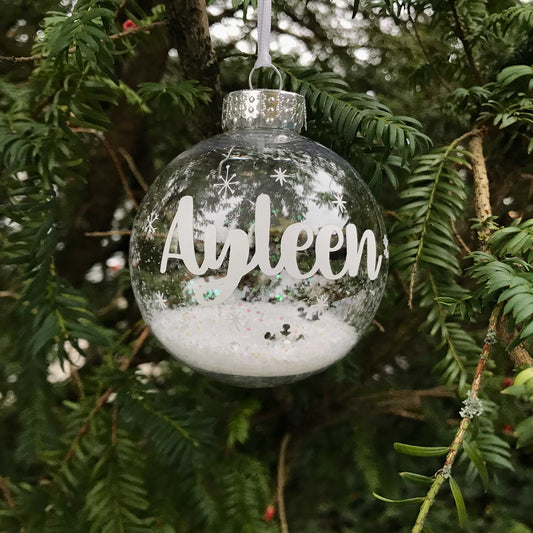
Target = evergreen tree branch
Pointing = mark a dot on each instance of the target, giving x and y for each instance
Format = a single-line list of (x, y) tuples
[(497, 327), (282, 478), (105, 396), (443, 474), (6, 491), (461, 35), (120, 35), (483, 212), (426, 222), (518, 354)]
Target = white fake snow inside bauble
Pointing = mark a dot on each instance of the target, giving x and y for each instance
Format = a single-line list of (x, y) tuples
[(230, 339)]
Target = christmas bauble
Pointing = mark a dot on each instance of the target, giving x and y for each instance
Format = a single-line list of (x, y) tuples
[(258, 256)]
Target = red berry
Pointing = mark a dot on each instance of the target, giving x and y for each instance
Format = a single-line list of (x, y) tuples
[(508, 429), (507, 382), (129, 25), (270, 511)]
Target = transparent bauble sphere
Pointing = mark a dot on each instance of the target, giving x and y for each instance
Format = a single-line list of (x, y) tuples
[(258, 256)]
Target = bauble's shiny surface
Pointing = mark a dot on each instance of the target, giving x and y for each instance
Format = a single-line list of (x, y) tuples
[(258, 257)]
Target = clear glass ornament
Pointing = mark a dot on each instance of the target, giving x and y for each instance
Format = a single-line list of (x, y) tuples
[(259, 257)]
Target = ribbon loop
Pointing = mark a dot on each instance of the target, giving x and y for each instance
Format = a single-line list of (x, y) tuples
[(264, 18)]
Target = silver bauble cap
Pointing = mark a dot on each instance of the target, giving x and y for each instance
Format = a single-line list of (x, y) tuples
[(264, 108)]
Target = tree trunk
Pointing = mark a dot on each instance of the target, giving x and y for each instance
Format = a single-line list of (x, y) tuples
[(189, 34)]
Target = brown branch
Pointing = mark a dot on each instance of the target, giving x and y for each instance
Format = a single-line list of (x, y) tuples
[(105, 396), (6, 491), (481, 181), (120, 8), (460, 239), (120, 171), (121, 35), (75, 376), (518, 354), (444, 473), (282, 478), (396, 402), (91, 131), (461, 35), (114, 427), (8, 294), (108, 233), (139, 29), (378, 325), (133, 167), (116, 162)]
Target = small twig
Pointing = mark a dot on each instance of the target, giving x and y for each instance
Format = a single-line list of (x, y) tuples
[(391, 213), (401, 283), (122, 34), (76, 129), (282, 478), (396, 394), (114, 426), (76, 379), (133, 168), (443, 474), (404, 413), (378, 325), (460, 239), (461, 35), (145, 333), (140, 29), (108, 233), (120, 8), (6, 491), (120, 171), (105, 396), (99, 404), (8, 294), (425, 54), (116, 161)]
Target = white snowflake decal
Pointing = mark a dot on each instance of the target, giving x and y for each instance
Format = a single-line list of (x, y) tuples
[(148, 225), (159, 300), (386, 245), (227, 182), (322, 304), (280, 175), (339, 202), (237, 318)]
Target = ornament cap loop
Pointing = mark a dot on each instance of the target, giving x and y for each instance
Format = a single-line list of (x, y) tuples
[(264, 108), (263, 63)]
